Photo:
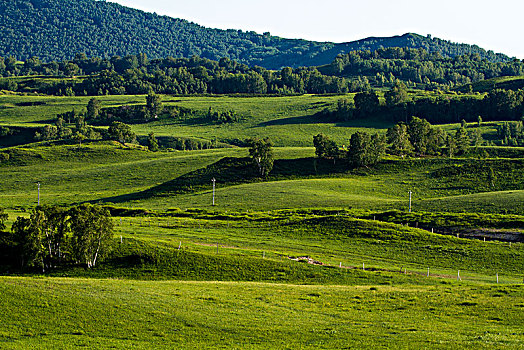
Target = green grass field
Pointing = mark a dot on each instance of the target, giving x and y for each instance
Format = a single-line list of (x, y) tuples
[(44, 313), (185, 274)]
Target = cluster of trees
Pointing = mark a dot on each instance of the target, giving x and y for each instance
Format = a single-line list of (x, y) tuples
[(432, 70), (53, 236), (418, 137), (261, 152), (364, 149), (398, 106), (511, 133), (222, 117), (138, 75)]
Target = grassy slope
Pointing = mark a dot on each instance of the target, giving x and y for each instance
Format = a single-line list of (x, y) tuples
[(133, 315), (107, 171)]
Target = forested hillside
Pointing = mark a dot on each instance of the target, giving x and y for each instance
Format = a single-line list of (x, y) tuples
[(59, 29)]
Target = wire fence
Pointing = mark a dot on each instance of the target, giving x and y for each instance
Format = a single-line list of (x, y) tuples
[(303, 254)]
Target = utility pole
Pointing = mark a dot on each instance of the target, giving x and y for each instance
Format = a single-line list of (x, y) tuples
[(213, 181), (410, 201), (38, 184)]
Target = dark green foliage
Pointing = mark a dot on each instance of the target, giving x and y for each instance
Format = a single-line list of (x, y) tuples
[(3, 219), (93, 109), (92, 233), (152, 143), (511, 133), (154, 104), (261, 152), (366, 149), (366, 103), (40, 241), (462, 140), (398, 139), (397, 94), (121, 132), (4, 131), (418, 66), (324, 147), (424, 138), (103, 28)]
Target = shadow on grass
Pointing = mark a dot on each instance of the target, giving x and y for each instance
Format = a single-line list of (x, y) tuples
[(234, 171)]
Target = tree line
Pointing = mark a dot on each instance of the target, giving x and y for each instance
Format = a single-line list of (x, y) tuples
[(53, 236), (399, 106), (420, 68), (354, 72)]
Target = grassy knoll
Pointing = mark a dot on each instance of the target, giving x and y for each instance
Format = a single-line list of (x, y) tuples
[(131, 177), (67, 313), (303, 183), (334, 240)]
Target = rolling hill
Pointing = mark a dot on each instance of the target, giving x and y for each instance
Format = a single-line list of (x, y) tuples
[(59, 29)]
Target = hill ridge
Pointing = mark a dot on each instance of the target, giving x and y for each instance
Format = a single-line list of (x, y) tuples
[(60, 29)]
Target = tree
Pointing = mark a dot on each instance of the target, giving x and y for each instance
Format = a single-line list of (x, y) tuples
[(92, 233), (324, 147), (397, 94), (462, 140), (152, 143), (398, 138), (154, 104), (93, 109), (121, 132), (419, 132), (3, 219), (365, 149), (39, 241), (366, 102), (262, 154), (451, 146)]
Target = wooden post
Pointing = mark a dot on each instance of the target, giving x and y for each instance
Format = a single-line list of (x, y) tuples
[(497, 278), (428, 272), (458, 275), (217, 247)]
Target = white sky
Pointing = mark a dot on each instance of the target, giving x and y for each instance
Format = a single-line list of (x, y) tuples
[(492, 25)]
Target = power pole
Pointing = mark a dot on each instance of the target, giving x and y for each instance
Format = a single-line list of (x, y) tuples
[(38, 184), (410, 201), (213, 181)]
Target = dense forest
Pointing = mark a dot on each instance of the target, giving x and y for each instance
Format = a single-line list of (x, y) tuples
[(59, 29), (496, 105), (419, 66), (355, 72)]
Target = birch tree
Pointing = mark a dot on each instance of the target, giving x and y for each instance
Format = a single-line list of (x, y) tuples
[(92, 230)]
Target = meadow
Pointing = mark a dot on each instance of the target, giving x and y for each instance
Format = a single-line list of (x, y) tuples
[(183, 273)]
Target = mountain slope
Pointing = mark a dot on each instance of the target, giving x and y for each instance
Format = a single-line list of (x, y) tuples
[(59, 29)]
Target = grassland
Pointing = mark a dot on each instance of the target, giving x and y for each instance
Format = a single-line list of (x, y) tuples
[(186, 274), (44, 313)]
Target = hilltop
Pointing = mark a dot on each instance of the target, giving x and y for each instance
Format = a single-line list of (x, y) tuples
[(59, 29)]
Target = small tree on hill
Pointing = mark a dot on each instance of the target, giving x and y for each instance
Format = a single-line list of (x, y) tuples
[(397, 94), (365, 149), (398, 138), (92, 230), (93, 108), (325, 148), (262, 154), (462, 140), (152, 143), (154, 104), (121, 132)]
